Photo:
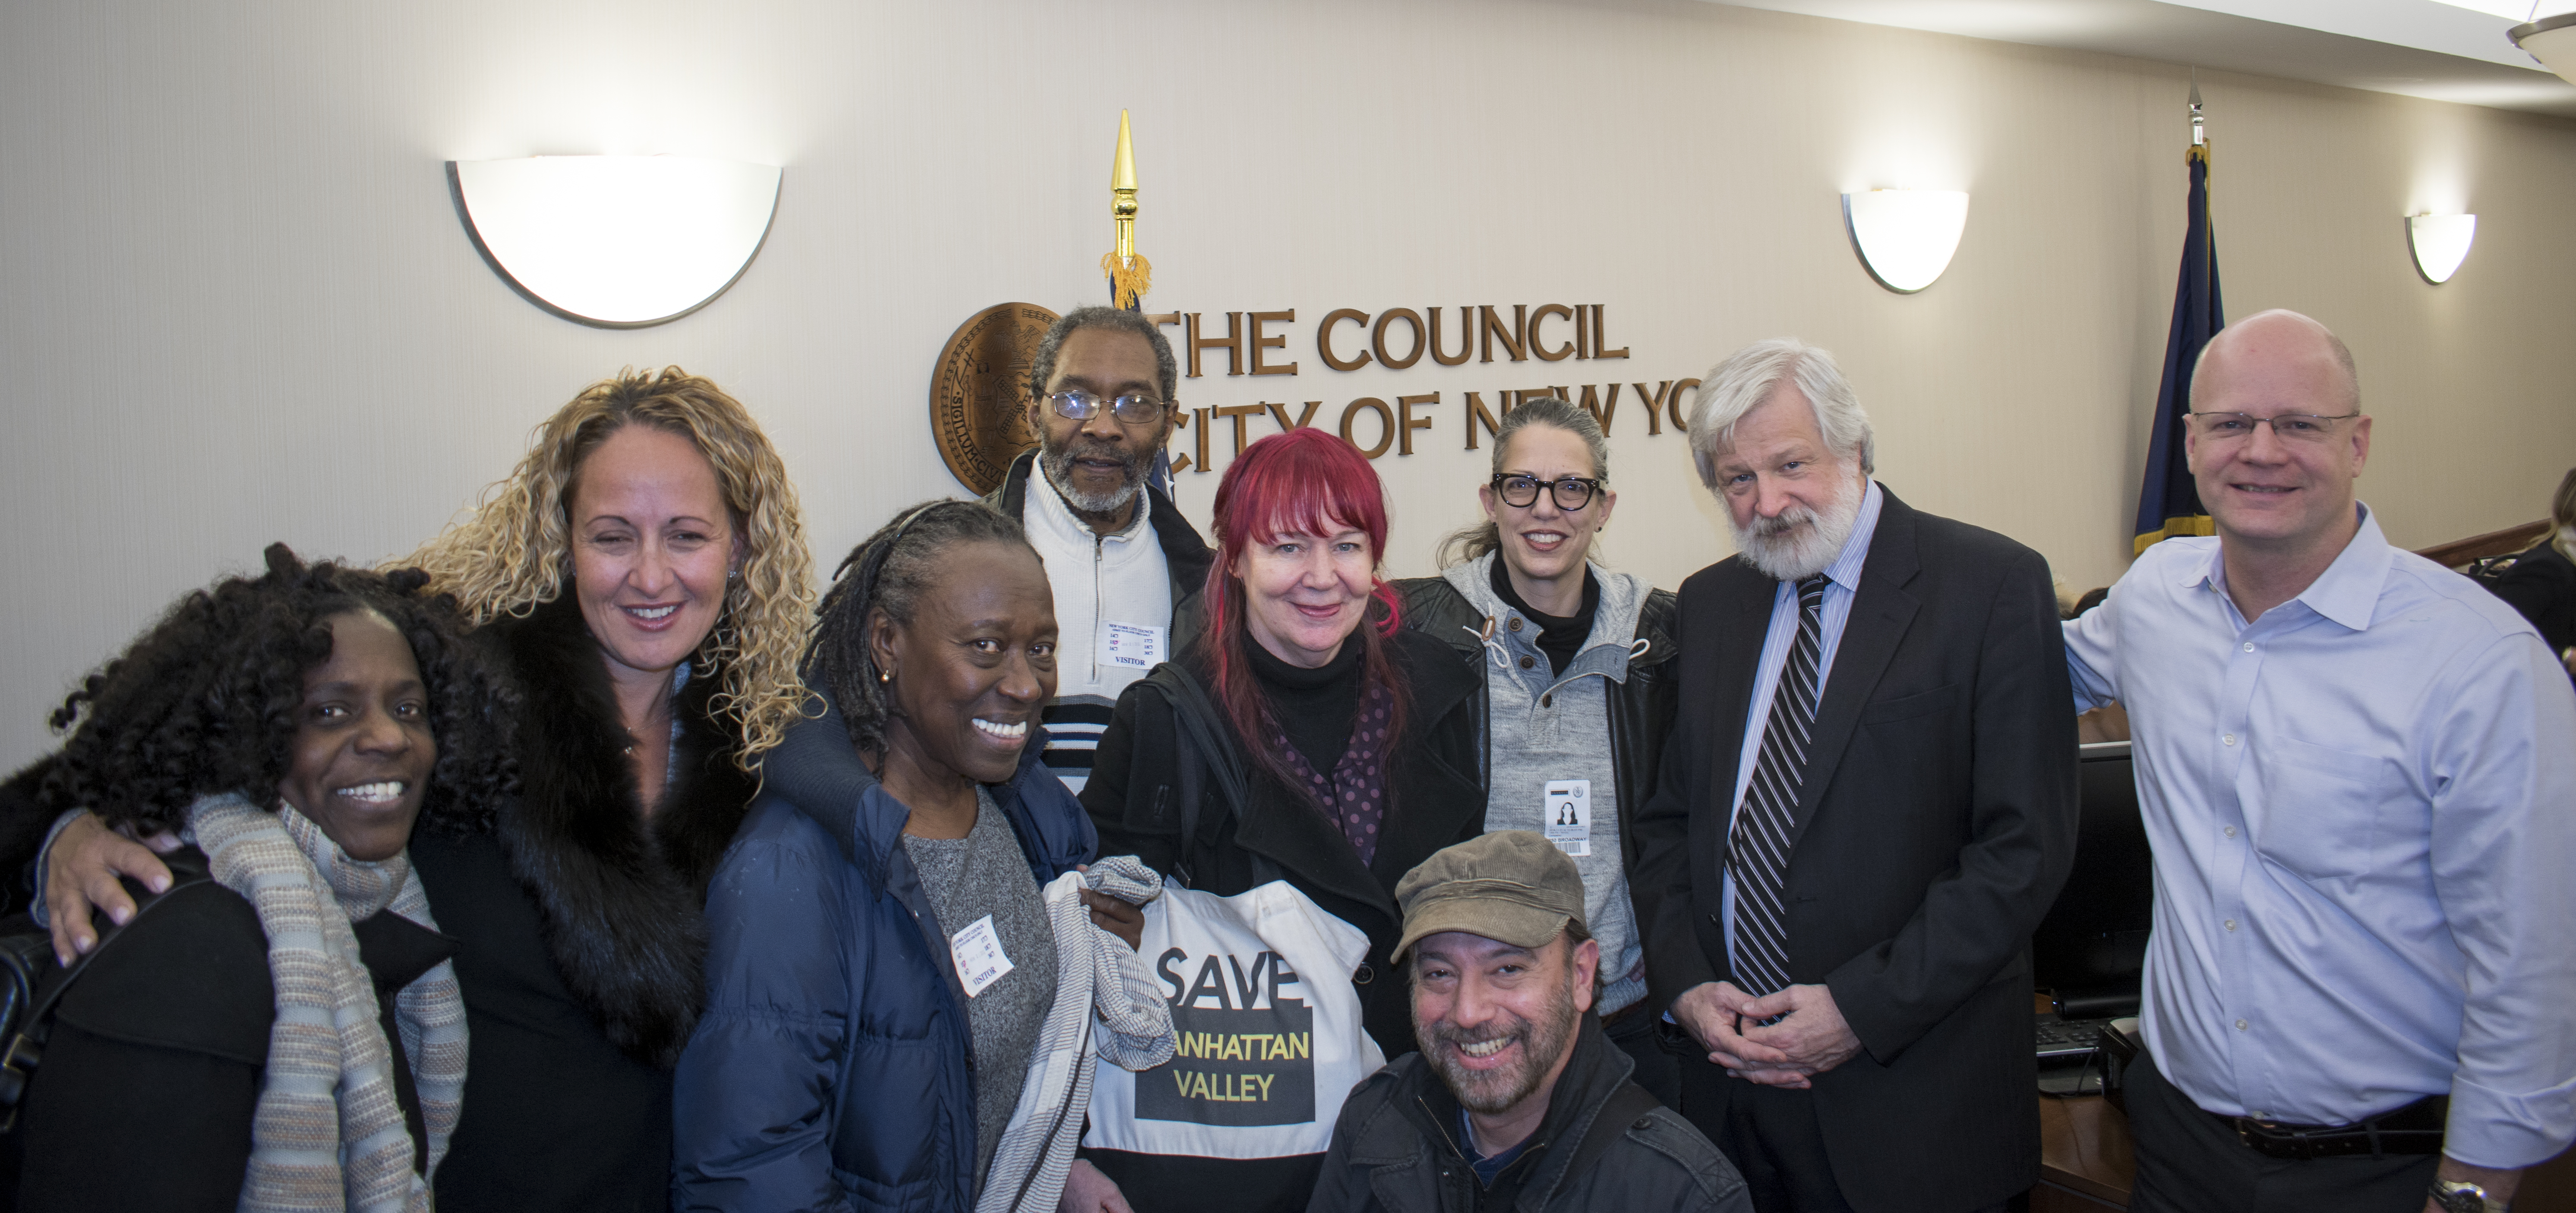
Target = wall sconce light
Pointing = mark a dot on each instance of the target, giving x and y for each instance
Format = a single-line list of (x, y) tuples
[(2440, 242), (1905, 237), (616, 241), (2552, 40)]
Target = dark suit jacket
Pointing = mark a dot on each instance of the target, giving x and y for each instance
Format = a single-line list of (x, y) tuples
[(1934, 825)]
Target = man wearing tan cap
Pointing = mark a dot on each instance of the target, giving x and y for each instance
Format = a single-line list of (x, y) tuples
[(1517, 1100)]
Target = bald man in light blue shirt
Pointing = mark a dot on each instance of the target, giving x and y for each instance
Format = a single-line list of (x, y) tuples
[(2355, 768)]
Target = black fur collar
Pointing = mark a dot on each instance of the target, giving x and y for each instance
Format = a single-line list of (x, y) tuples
[(621, 901)]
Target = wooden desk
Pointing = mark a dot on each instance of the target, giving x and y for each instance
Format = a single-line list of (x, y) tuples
[(2086, 1163), (2085, 1160)]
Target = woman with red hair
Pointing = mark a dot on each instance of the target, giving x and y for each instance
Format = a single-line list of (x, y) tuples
[(1355, 743)]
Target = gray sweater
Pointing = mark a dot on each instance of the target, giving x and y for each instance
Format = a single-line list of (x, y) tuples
[(966, 879), (1553, 729)]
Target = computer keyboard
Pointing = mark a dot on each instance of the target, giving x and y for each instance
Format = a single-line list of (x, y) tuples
[(2069, 1038)]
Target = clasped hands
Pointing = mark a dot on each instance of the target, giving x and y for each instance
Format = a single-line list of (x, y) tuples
[(1810, 1038)]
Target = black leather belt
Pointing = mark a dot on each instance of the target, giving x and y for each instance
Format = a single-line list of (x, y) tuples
[(2413, 1129)]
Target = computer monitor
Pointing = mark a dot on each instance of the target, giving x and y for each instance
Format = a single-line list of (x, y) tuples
[(2091, 949)]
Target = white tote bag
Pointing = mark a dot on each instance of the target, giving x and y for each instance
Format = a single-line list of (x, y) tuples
[(1269, 1029)]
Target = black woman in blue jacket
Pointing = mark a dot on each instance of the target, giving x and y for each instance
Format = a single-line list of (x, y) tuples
[(879, 962)]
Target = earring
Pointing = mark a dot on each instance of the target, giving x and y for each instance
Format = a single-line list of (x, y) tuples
[(733, 574), (882, 676)]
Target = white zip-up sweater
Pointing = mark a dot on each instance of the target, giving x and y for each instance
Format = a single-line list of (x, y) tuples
[(1098, 579)]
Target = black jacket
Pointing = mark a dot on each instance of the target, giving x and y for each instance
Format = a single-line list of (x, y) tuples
[(1934, 824), (2542, 585), (1605, 1144), (1641, 708), (1185, 553), (1434, 800), (25, 817), (147, 1090), (582, 956)]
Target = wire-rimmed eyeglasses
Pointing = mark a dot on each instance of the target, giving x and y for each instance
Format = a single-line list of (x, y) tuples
[(1134, 408), (2288, 427)]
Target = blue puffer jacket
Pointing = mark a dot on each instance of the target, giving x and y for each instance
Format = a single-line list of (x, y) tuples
[(832, 1068)]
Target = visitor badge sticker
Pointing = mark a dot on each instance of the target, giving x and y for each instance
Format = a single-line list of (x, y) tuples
[(977, 950), (1568, 805), (1132, 645)]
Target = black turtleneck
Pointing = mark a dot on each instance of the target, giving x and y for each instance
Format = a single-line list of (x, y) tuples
[(1314, 707), (1560, 637)]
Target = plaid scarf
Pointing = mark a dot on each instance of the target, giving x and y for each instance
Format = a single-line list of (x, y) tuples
[(1107, 1006), (329, 1132)]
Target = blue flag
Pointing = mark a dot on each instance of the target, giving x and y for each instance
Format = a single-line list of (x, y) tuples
[(2168, 500)]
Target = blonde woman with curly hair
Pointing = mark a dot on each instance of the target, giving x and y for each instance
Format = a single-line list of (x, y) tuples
[(643, 576)]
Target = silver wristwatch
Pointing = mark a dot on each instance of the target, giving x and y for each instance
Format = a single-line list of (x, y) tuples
[(2461, 1196)]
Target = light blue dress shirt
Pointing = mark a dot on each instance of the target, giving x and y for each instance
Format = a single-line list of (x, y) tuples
[(1842, 581), (2365, 858)]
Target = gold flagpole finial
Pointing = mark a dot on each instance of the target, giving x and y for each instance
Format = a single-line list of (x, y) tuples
[(1122, 172), (1130, 276)]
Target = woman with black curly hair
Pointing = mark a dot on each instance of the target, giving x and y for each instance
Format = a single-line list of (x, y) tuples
[(643, 577), (286, 1030)]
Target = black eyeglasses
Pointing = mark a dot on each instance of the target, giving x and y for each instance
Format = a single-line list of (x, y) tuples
[(1134, 408), (1571, 492)]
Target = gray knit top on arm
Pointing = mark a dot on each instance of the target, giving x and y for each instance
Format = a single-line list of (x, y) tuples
[(966, 879)]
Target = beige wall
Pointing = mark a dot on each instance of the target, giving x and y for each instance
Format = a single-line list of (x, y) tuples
[(236, 305)]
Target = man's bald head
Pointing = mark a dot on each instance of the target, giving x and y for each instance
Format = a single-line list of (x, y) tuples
[(2278, 336), (2275, 444)]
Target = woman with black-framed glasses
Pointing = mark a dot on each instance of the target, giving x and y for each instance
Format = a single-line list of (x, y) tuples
[(1577, 696)]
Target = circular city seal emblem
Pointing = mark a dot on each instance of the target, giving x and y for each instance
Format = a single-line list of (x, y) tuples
[(979, 392)]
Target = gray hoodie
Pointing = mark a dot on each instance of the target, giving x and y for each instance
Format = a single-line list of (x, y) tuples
[(1551, 730)]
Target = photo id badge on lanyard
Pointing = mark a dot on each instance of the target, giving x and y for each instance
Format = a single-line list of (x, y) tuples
[(977, 950), (1132, 645), (1568, 805)]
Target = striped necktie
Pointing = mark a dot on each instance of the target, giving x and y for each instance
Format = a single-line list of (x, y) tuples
[(1758, 846)]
